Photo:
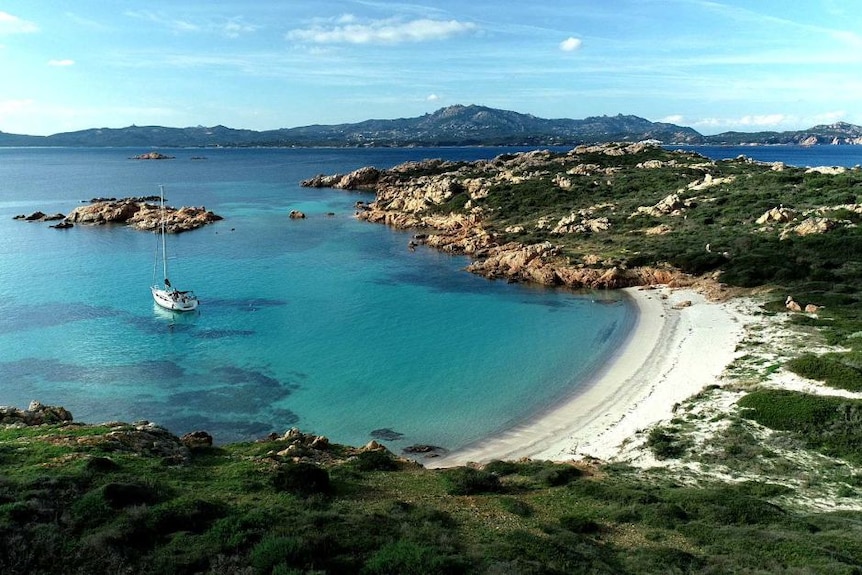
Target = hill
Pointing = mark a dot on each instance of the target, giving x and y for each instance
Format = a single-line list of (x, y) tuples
[(451, 126)]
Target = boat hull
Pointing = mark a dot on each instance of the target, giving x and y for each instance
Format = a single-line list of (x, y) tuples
[(174, 300)]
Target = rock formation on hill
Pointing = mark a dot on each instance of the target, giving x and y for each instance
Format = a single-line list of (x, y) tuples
[(599, 216)]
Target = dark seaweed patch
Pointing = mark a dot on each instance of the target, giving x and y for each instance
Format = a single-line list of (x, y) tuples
[(23, 318), (245, 304), (222, 333), (237, 375)]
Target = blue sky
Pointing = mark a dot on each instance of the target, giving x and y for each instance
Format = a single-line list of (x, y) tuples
[(713, 65)]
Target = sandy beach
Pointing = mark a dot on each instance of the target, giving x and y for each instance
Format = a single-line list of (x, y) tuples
[(680, 344)]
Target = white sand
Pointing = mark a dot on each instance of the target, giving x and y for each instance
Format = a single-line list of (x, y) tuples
[(670, 355)]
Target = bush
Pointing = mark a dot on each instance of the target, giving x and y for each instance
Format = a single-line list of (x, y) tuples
[(517, 507), (275, 553), (579, 524), (665, 444), (727, 506), (830, 371), (195, 516), (119, 495), (409, 558), (469, 481), (302, 479), (558, 474), (502, 468), (832, 425), (377, 460)]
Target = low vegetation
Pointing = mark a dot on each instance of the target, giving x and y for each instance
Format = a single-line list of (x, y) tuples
[(71, 505)]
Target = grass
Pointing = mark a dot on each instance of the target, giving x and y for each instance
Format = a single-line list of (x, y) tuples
[(231, 509)]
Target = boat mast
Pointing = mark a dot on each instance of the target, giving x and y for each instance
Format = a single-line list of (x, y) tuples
[(163, 232)]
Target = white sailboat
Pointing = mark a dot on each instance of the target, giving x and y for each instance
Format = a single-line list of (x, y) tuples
[(167, 296)]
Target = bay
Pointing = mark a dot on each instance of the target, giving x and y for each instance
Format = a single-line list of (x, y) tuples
[(327, 324)]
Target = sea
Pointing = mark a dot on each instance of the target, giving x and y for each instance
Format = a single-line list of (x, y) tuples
[(327, 324)]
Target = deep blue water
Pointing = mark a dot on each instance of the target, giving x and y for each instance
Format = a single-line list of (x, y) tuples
[(801, 156), (328, 324)]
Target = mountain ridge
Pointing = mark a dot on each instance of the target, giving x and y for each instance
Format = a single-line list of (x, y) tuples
[(457, 125)]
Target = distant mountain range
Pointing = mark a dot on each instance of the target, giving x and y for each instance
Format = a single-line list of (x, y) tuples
[(451, 126)]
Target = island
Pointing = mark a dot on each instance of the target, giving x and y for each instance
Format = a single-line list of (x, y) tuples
[(135, 212)]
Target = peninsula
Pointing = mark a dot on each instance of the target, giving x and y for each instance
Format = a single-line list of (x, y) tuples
[(685, 234)]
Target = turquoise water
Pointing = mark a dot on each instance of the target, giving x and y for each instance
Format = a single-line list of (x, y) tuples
[(328, 324)]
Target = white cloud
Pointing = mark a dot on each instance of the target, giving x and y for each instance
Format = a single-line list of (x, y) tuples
[(235, 27), (10, 24), (765, 120), (65, 62), (830, 117), (749, 122), (381, 31), (432, 97), (13, 106), (673, 119), (174, 24), (570, 44)]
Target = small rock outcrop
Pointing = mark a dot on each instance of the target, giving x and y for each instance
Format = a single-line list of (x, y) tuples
[(792, 305), (142, 215), (363, 178), (809, 226), (197, 440), (35, 414), (38, 216), (670, 205), (152, 156), (779, 215)]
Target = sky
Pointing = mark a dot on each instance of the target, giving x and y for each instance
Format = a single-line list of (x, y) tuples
[(713, 65)]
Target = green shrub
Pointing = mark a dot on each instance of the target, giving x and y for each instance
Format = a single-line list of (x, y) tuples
[(558, 474), (579, 524), (376, 460), (119, 495), (832, 425), (195, 516), (409, 558), (502, 468), (517, 507), (664, 560), (830, 371), (469, 481), (239, 530), (665, 444), (302, 479), (788, 410), (726, 506), (277, 552)]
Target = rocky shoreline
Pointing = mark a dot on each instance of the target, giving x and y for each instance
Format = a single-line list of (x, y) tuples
[(406, 201)]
